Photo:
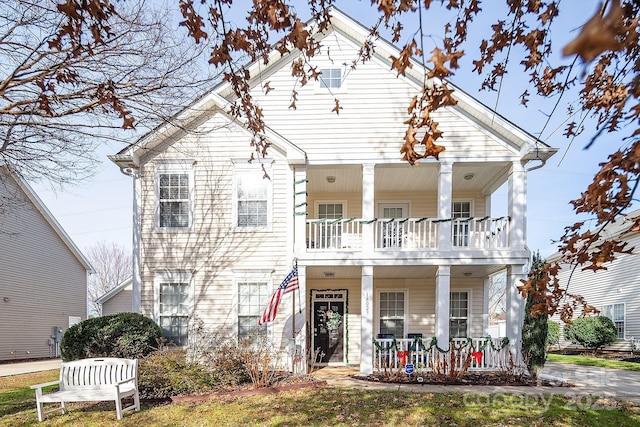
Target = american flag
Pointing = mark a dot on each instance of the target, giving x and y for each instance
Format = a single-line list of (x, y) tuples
[(289, 284)]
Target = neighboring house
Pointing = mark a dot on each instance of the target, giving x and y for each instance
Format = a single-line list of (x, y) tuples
[(394, 250), (43, 275), (614, 291), (118, 299)]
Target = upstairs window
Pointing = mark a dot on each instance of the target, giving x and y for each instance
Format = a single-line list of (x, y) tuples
[(252, 199), (174, 189), (331, 78)]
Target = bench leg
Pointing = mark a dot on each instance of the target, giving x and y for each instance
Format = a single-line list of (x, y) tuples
[(136, 401), (40, 407), (119, 408), (63, 407)]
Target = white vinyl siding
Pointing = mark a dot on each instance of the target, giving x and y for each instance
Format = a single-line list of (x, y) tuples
[(374, 105)]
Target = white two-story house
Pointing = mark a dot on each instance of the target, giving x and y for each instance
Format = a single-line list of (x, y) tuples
[(390, 251)]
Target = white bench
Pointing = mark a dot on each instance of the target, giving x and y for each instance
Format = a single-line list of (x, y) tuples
[(85, 380)]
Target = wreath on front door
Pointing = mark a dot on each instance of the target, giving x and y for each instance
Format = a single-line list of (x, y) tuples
[(330, 319)]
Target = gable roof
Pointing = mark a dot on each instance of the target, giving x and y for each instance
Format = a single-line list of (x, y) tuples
[(48, 216), (219, 98), (115, 291), (616, 230)]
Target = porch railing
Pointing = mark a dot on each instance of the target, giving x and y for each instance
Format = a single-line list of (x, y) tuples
[(392, 354), (345, 234)]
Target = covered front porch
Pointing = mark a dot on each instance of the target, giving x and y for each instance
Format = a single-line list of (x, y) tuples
[(385, 317)]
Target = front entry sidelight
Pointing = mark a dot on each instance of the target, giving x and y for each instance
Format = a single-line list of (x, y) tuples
[(329, 326)]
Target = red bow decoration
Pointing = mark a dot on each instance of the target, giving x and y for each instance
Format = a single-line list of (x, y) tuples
[(402, 355), (477, 355)]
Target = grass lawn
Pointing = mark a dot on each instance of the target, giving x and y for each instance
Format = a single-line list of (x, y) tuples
[(325, 407), (593, 361)]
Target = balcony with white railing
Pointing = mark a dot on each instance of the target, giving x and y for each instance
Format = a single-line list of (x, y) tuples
[(406, 234)]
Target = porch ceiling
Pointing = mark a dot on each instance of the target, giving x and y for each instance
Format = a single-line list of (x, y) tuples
[(399, 272), (402, 177)]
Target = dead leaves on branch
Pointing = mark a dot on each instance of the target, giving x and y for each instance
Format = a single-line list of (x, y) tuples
[(602, 33)]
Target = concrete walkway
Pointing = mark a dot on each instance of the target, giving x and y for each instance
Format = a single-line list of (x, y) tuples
[(7, 369)]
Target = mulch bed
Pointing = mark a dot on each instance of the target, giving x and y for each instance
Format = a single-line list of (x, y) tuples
[(470, 378)]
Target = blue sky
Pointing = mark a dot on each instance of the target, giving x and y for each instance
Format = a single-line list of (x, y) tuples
[(100, 209)]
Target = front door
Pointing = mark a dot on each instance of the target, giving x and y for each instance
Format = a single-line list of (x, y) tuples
[(328, 326)]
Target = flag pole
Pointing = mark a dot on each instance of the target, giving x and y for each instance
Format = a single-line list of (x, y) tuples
[(293, 321)]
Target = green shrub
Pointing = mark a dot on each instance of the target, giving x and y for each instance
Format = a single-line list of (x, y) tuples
[(535, 325), (166, 373), (553, 334), (128, 335), (591, 332)]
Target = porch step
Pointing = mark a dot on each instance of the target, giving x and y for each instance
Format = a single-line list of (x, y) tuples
[(335, 371)]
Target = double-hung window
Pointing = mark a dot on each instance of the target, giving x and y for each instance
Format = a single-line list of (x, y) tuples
[(174, 302), (253, 195), (392, 313), (615, 312), (174, 195), (458, 314), (253, 297)]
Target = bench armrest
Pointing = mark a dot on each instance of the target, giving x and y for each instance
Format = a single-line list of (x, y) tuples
[(119, 383), (33, 387)]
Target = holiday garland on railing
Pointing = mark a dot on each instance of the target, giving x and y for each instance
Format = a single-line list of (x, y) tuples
[(419, 344), (403, 220)]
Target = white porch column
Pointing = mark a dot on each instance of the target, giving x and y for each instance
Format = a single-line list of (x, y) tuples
[(485, 306), (136, 278), (366, 310), (514, 304), (517, 206), (445, 186), (443, 289), (300, 326), (368, 206), (299, 218)]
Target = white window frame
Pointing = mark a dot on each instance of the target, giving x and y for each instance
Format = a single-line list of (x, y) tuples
[(174, 167), (253, 169), (176, 276), (250, 276), (469, 309), (391, 227), (467, 231), (405, 323), (317, 203), (612, 312), (343, 80)]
